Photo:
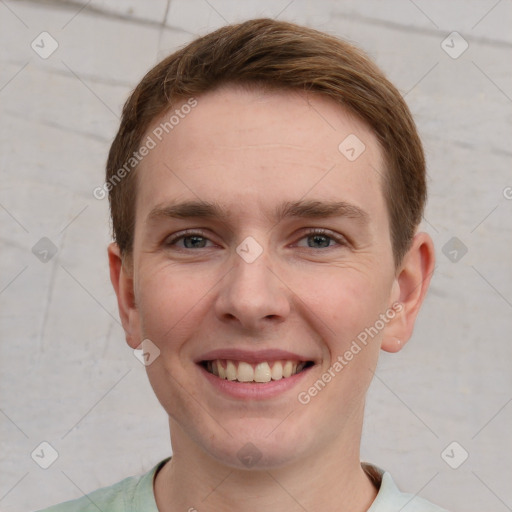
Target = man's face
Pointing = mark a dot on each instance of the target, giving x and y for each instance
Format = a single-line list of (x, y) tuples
[(296, 266)]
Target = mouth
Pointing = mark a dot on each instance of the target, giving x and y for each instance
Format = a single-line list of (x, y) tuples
[(255, 373)]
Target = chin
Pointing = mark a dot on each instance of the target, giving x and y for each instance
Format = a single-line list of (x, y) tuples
[(255, 455), (258, 444)]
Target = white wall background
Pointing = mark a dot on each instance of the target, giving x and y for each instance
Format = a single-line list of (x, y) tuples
[(68, 378)]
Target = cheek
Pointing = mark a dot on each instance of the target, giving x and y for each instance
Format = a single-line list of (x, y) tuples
[(169, 301), (345, 300)]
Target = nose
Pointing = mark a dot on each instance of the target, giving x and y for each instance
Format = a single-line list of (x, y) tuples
[(252, 295)]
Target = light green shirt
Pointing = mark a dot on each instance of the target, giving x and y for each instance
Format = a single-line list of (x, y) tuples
[(135, 494)]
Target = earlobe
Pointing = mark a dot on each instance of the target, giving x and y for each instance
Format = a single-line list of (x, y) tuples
[(410, 287), (122, 280), (391, 344)]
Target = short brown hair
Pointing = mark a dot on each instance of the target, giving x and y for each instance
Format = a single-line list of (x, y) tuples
[(278, 55)]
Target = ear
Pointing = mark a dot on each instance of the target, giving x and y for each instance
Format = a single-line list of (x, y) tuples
[(121, 276), (409, 289)]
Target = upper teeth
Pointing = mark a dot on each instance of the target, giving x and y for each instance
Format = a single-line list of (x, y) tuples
[(259, 372)]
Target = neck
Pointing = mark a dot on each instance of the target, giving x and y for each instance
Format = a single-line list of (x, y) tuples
[(331, 478)]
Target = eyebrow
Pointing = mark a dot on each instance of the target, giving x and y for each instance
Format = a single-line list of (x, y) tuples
[(309, 209)]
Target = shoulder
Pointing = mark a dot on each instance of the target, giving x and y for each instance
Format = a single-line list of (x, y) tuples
[(129, 495), (391, 499)]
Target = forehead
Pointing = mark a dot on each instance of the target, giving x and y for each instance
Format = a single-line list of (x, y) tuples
[(246, 148)]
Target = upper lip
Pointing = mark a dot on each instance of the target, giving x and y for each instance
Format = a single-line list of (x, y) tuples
[(251, 356)]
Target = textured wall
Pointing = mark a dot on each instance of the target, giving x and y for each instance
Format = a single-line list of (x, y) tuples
[(68, 378)]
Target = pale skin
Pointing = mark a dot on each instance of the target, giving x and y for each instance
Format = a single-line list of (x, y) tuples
[(249, 152)]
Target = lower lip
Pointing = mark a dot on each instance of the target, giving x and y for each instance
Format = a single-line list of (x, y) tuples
[(254, 391)]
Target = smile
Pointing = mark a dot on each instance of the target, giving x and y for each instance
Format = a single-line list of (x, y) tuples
[(261, 372)]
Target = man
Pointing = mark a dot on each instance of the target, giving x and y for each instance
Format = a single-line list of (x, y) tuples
[(266, 185)]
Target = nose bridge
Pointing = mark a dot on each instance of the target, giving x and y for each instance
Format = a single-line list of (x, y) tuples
[(251, 292)]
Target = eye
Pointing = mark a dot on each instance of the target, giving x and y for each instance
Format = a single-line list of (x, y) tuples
[(321, 239), (191, 239), (196, 239)]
